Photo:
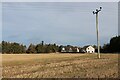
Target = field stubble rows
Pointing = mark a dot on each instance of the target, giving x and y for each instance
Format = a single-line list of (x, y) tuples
[(59, 66)]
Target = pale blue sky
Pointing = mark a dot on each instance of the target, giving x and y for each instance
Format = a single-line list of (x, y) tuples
[(59, 0), (62, 23), (0, 21)]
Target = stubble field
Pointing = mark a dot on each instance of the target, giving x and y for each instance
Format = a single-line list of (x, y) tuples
[(59, 66)]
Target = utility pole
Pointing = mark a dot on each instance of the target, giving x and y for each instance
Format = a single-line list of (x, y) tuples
[(98, 43)]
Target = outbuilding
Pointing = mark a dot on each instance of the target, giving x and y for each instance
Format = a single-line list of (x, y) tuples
[(63, 49), (90, 49)]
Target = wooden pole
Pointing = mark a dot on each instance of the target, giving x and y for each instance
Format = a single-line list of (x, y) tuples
[(98, 44)]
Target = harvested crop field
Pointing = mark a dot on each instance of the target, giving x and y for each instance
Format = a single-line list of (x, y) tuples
[(59, 66)]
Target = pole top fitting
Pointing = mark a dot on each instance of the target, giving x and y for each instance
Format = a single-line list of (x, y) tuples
[(97, 10)]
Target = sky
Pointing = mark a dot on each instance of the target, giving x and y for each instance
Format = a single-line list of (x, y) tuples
[(118, 18), (59, 0), (63, 23), (0, 21)]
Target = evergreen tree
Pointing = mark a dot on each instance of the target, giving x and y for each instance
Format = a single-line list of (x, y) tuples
[(8, 47), (31, 49), (39, 48), (115, 44)]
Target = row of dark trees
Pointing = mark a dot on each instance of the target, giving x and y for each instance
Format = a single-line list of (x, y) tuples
[(8, 47), (42, 48), (113, 46)]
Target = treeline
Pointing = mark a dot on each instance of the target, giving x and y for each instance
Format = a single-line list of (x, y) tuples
[(12, 47), (7, 47), (113, 46), (42, 48)]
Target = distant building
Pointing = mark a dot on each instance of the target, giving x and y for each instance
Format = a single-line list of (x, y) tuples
[(90, 49), (63, 49), (77, 50), (70, 50)]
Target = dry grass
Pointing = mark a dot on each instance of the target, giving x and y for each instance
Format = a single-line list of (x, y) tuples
[(59, 66)]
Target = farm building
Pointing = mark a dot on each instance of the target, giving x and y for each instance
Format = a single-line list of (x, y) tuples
[(90, 49), (63, 49), (70, 49), (77, 49)]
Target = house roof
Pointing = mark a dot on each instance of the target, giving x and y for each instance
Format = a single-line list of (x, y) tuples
[(87, 46), (91, 46)]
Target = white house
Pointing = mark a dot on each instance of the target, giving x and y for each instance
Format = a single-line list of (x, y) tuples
[(70, 49), (78, 50), (63, 50), (90, 49)]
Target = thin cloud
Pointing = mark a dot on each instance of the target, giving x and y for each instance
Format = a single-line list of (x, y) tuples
[(62, 23)]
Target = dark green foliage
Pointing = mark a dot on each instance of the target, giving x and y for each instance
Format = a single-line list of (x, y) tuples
[(5, 47), (115, 44), (46, 48), (40, 48), (31, 49), (42, 43), (105, 48), (12, 47), (60, 48)]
